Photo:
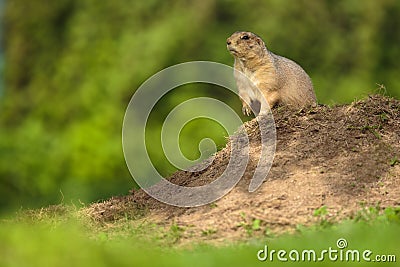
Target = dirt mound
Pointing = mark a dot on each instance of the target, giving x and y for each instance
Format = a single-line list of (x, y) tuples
[(338, 157)]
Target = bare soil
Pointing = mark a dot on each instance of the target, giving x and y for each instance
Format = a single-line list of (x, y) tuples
[(342, 157)]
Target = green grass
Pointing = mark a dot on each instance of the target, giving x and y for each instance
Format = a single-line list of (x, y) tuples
[(65, 240)]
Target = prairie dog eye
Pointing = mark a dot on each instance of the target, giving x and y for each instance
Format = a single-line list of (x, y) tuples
[(245, 37)]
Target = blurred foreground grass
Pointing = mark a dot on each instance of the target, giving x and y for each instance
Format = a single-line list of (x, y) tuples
[(67, 241)]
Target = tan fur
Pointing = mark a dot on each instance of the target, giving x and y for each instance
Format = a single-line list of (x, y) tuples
[(280, 80)]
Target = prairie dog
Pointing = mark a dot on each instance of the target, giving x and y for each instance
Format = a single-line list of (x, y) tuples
[(280, 80)]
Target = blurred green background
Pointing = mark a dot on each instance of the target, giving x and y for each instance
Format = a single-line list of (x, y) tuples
[(69, 68)]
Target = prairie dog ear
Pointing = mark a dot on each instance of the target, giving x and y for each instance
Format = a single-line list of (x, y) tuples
[(259, 41)]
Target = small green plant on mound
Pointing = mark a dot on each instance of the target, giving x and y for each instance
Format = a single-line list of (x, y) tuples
[(375, 213), (175, 233), (250, 225), (394, 161), (322, 215), (208, 232)]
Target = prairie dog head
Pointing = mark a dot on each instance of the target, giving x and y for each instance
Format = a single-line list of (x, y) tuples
[(245, 45)]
